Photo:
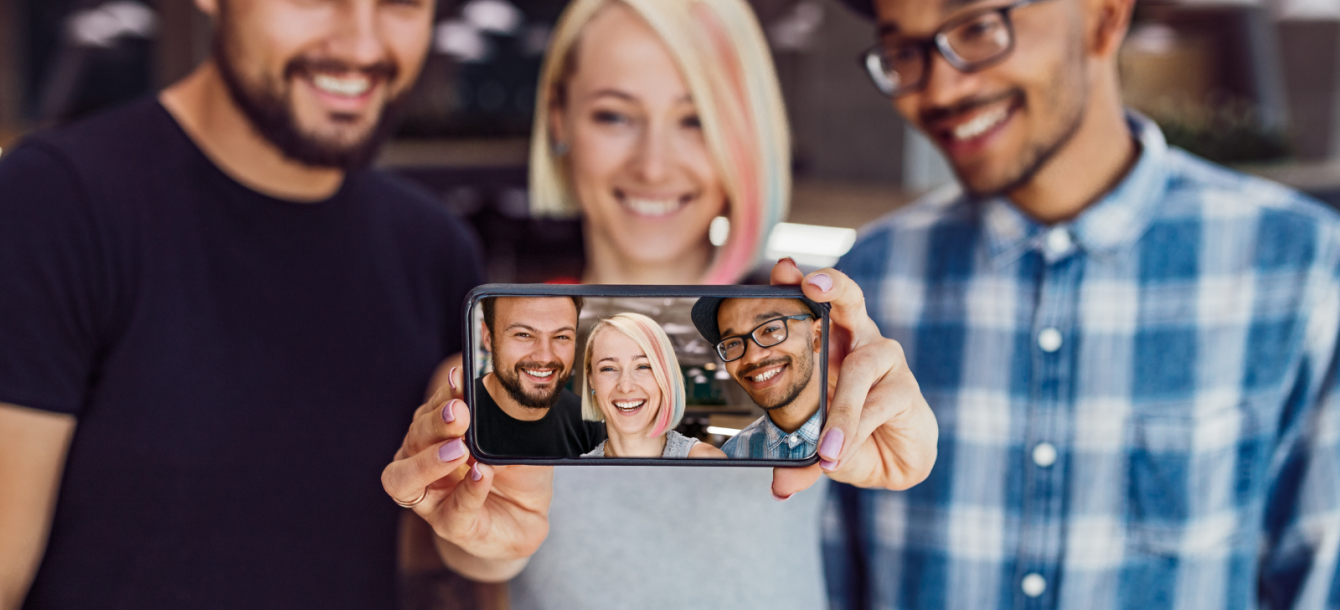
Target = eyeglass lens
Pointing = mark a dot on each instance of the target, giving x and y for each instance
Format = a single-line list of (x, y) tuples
[(978, 40), (769, 334)]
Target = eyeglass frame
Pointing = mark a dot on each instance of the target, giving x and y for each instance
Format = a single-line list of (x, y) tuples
[(939, 42), (749, 336)]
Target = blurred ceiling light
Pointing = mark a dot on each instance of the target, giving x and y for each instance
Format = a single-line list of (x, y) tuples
[(795, 31), (101, 26), (1153, 39), (722, 431), (722, 375), (672, 328), (810, 245), (462, 42), (496, 16)]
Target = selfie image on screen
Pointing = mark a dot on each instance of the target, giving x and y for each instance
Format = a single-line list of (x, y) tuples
[(647, 377)]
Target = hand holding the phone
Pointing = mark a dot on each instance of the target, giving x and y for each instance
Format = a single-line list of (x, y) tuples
[(489, 520), (880, 431)]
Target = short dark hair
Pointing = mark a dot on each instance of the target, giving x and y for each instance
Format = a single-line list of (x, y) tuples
[(490, 312)]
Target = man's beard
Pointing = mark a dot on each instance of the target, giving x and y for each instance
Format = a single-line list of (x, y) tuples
[(267, 106), (803, 373), (546, 398)]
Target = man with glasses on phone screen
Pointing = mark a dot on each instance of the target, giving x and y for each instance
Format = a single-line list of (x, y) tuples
[(771, 348), (1132, 352)]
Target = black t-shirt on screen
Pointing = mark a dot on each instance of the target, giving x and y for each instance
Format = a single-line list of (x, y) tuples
[(241, 367), (560, 433)]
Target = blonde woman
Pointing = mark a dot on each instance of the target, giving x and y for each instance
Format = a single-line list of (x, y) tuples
[(655, 117), (636, 388)]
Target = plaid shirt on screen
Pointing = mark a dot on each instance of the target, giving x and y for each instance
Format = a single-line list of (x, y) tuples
[(1138, 408), (764, 440)]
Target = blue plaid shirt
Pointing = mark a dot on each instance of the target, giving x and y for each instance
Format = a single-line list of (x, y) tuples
[(764, 440), (1138, 409)]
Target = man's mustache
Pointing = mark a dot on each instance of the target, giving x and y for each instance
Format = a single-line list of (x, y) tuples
[(745, 371), (941, 113)]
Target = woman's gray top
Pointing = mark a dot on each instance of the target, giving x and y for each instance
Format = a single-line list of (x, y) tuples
[(676, 446)]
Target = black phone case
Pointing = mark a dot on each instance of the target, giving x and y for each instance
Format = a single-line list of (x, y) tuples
[(604, 290)]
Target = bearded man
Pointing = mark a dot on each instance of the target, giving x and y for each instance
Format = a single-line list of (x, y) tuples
[(523, 407), (215, 325)]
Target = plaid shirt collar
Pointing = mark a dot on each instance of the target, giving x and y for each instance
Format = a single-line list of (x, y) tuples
[(807, 434), (1115, 222)]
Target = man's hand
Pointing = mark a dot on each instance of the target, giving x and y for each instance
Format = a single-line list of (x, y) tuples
[(490, 520), (880, 431)]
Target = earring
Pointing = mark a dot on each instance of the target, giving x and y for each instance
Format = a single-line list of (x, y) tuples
[(560, 149)]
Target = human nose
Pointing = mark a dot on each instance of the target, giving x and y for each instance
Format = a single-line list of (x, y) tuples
[(357, 38), (653, 154)]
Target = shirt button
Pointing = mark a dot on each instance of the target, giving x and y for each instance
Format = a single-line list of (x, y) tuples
[(1049, 339), (1033, 585), (1044, 454), (1058, 241)]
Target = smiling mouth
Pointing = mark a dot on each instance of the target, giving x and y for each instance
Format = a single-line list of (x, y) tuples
[(629, 406), (541, 374), (766, 374), (982, 123), (652, 207)]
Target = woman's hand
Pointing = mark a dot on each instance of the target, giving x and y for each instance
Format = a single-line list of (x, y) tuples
[(490, 519), (880, 432)]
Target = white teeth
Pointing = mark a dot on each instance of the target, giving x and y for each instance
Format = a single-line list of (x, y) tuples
[(652, 207), (349, 87), (539, 373), (980, 125), (628, 405), (766, 376)]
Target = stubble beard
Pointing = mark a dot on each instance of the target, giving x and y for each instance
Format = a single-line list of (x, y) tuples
[(1069, 96), (804, 370)]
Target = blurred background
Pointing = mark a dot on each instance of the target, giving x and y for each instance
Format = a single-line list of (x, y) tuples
[(1251, 83)]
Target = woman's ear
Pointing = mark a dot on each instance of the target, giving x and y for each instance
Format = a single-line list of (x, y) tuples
[(558, 125)]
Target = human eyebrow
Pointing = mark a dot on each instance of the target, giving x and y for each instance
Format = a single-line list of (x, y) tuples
[(763, 317), (615, 93)]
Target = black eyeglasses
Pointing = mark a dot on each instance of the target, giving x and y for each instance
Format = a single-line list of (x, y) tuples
[(972, 42), (767, 334)]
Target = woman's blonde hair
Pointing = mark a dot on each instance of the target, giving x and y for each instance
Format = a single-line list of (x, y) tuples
[(652, 340), (724, 59)]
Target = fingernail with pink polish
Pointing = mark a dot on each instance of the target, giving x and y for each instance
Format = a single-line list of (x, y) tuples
[(828, 464), (475, 474), (786, 259), (781, 498), (451, 378), (821, 281), (452, 451), (831, 447), (448, 415)]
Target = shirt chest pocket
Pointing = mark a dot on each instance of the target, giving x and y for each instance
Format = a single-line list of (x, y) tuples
[(1194, 481)]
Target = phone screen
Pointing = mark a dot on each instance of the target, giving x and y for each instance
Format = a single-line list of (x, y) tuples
[(674, 375)]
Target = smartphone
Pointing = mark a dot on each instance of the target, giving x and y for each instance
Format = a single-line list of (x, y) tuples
[(640, 375)]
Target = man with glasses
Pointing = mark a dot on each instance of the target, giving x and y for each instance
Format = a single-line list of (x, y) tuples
[(769, 347), (1132, 352)]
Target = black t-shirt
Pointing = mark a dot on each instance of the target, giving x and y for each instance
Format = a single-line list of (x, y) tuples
[(560, 433), (242, 368)]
